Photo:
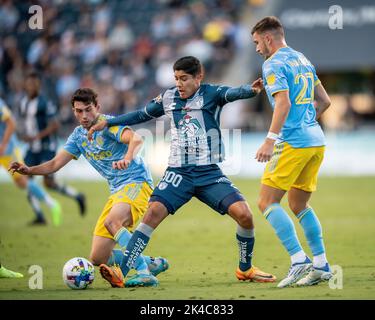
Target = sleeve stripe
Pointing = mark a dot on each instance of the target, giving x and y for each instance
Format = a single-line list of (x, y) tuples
[(74, 156), (272, 93), (317, 81), (145, 109)]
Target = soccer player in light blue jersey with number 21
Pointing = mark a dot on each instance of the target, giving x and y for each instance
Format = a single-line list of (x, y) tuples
[(294, 150)]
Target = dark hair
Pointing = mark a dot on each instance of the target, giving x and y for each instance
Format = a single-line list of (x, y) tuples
[(191, 65), (85, 95), (269, 23), (33, 74)]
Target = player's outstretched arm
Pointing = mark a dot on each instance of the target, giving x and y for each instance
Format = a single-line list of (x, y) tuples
[(242, 92), (134, 142), (321, 100), (282, 107), (60, 160), (150, 111)]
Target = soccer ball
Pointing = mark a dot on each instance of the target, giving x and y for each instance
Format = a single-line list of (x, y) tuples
[(78, 273)]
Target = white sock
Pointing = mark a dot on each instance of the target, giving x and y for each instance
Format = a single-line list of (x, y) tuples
[(320, 260), (50, 202), (298, 257)]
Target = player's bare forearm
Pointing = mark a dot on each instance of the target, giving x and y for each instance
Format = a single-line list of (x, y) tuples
[(281, 111), (321, 100), (134, 142), (60, 160)]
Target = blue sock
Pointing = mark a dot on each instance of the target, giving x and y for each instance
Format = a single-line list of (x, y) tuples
[(122, 237), (135, 247), (313, 230), (245, 241), (284, 227), (115, 258), (36, 190)]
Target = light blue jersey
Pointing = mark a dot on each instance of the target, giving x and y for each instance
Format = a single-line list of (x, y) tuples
[(290, 70), (106, 148), (4, 115)]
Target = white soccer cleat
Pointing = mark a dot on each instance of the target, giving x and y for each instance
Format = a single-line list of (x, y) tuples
[(315, 276), (295, 273)]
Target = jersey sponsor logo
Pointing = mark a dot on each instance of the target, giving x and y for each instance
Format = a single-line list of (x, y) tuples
[(172, 106), (98, 156), (223, 180)]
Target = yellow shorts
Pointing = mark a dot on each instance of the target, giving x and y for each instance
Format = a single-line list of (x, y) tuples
[(293, 167), (135, 194), (6, 160)]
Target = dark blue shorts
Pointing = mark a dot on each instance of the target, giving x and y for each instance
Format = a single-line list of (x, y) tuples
[(36, 158), (207, 183)]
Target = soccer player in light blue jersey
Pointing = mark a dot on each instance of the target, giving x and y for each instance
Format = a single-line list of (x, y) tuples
[(294, 149), (194, 112), (10, 151), (113, 153)]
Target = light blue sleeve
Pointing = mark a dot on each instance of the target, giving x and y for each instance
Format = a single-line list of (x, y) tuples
[(115, 132), (71, 146), (275, 76)]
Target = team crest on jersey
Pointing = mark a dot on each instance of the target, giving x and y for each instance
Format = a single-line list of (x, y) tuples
[(99, 140), (189, 127), (162, 185), (271, 79)]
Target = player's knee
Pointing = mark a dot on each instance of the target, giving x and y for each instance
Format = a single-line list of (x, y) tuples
[(155, 214), (242, 214)]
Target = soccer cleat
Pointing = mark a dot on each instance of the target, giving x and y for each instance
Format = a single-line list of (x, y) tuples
[(295, 273), (158, 265), (5, 273), (142, 280), (315, 276), (56, 214), (37, 222), (113, 275), (81, 199), (254, 274)]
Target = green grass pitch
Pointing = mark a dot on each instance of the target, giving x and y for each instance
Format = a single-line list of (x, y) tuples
[(199, 244)]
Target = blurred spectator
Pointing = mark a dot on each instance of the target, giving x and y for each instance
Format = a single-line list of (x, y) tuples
[(123, 49)]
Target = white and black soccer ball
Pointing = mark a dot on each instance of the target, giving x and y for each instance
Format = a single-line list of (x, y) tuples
[(78, 273)]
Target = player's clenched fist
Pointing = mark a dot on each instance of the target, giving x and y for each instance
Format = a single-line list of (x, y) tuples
[(96, 127), (121, 164), (19, 167)]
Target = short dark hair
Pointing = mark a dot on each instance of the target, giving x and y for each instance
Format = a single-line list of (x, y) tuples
[(270, 23), (191, 65), (85, 95), (33, 74)]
